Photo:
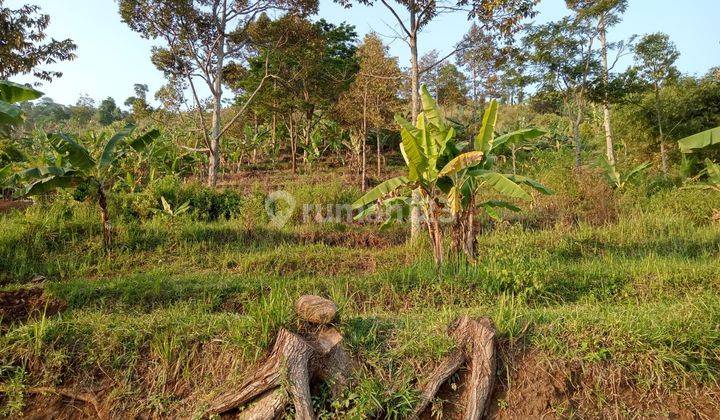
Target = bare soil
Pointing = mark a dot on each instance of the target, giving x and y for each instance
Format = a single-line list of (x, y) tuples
[(20, 305)]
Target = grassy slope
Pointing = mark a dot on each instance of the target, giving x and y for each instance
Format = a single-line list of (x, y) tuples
[(181, 306)]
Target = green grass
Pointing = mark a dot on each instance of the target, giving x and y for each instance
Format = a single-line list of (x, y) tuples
[(179, 306)]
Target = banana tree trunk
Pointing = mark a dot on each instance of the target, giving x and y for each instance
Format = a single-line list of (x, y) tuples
[(104, 216)]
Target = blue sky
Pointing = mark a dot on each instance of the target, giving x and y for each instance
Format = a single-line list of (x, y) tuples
[(111, 58)]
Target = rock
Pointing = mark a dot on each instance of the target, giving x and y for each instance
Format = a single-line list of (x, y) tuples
[(316, 309)]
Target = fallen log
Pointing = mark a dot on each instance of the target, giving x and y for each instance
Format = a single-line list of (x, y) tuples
[(475, 349)]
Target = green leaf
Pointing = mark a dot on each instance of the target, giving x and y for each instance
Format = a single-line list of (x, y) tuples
[(518, 137), (636, 170), (380, 191), (431, 109), (367, 211), (108, 154), (52, 183), (139, 144), (414, 157), (462, 162), (5, 172), (76, 153), (484, 138), (501, 204), (713, 171), (15, 92), (10, 114), (504, 185), (41, 172), (531, 183), (700, 140)]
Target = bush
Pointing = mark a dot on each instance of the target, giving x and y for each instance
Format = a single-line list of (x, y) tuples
[(206, 204)]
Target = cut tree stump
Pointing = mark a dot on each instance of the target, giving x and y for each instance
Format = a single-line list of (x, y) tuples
[(285, 376), (315, 309), (475, 339)]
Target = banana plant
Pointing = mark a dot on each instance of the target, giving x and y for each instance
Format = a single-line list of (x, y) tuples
[(10, 95), (447, 178), (74, 165), (710, 175), (11, 115), (617, 179), (470, 182)]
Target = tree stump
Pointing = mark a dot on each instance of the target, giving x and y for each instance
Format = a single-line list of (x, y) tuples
[(475, 340), (315, 309), (295, 361)]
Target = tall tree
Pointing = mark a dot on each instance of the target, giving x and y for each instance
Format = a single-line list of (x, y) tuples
[(564, 61), (372, 97), (311, 64), (23, 48), (605, 14), (108, 112), (655, 57), (451, 86), (481, 58), (201, 38)]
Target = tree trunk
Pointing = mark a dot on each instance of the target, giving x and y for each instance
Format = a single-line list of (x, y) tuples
[(379, 155), (663, 152), (104, 216), (609, 146), (363, 174), (576, 137), (295, 361), (214, 161), (414, 86), (475, 341), (293, 145)]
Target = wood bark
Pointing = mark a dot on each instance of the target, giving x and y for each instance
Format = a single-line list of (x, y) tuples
[(285, 376)]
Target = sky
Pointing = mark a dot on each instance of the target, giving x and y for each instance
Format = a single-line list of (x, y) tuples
[(111, 58)]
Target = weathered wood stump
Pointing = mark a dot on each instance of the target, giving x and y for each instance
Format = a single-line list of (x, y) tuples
[(475, 340), (315, 309), (295, 361)]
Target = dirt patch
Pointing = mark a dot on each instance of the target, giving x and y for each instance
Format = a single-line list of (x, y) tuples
[(9, 205), (20, 305), (535, 387), (363, 239)]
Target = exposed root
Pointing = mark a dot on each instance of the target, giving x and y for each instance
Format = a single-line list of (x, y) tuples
[(85, 397), (476, 349)]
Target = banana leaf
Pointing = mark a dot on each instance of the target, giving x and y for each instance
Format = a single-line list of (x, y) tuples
[(700, 140), (380, 191)]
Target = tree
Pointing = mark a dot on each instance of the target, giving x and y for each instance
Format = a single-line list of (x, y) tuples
[(138, 103), (372, 97), (605, 13), (201, 38), (481, 59), (502, 16), (83, 110), (76, 166), (311, 64), (108, 112), (451, 86), (448, 178), (23, 49), (655, 57), (562, 55)]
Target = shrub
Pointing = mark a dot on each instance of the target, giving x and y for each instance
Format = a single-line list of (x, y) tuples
[(206, 204)]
